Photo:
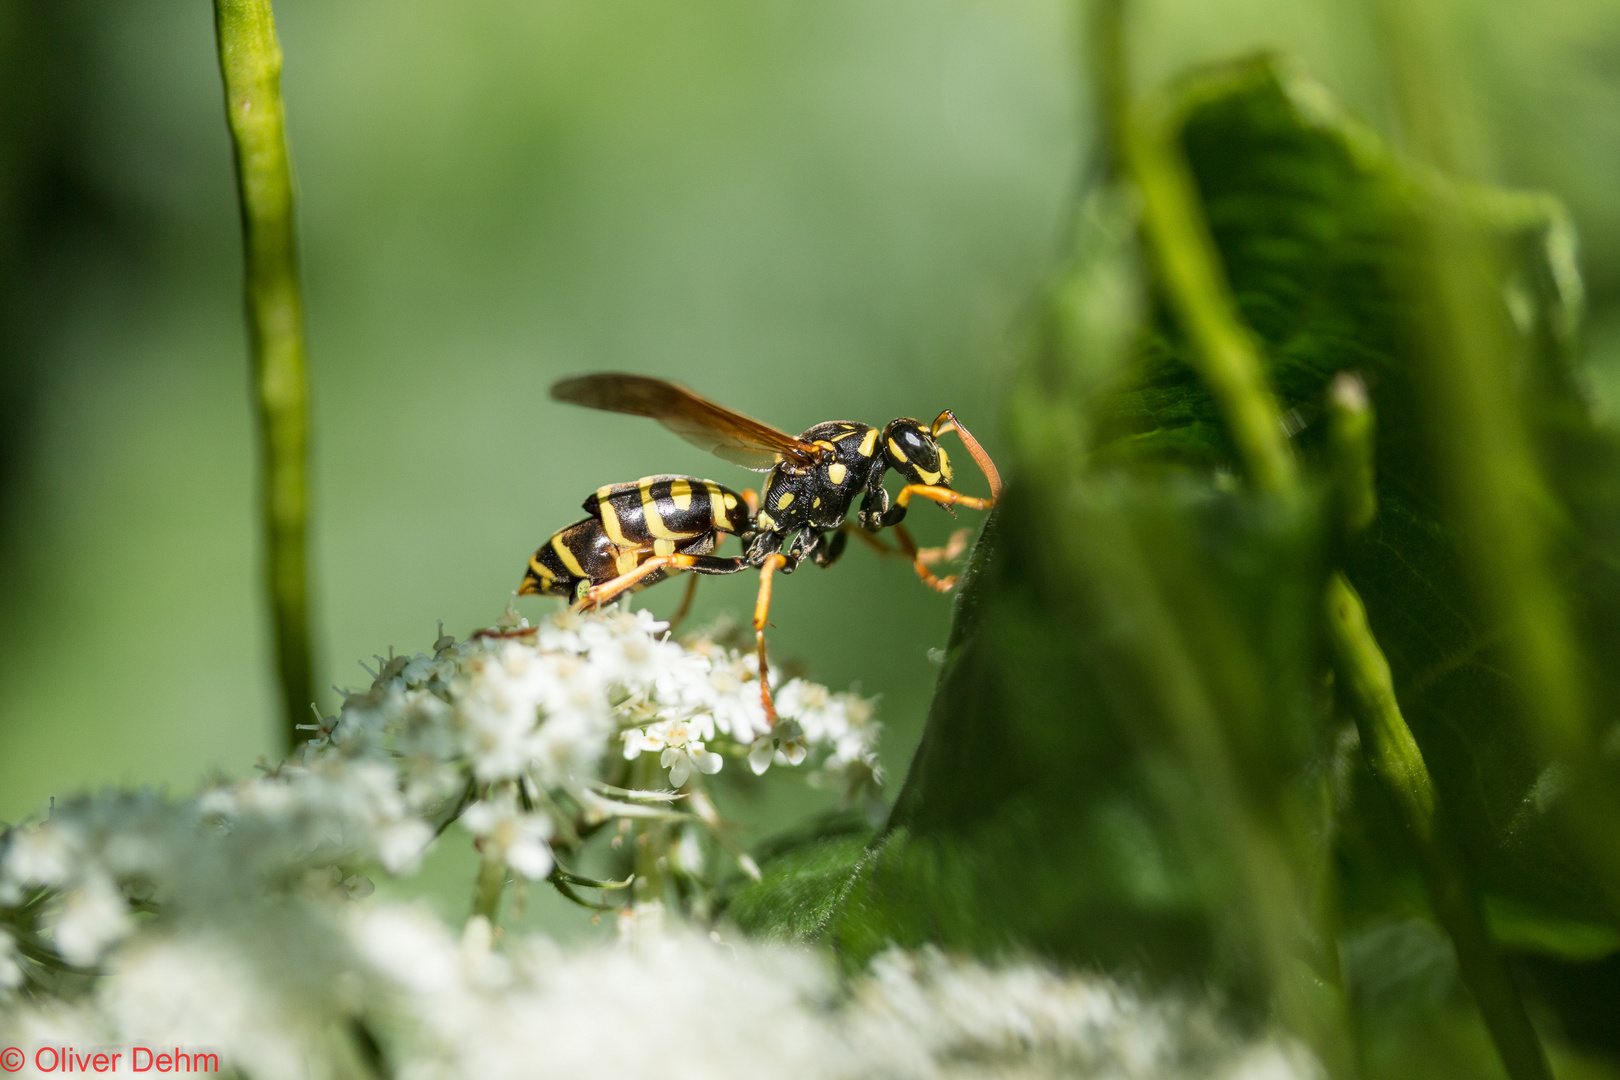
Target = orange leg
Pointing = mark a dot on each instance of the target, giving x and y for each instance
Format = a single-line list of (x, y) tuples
[(867, 538), (601, 594), (502, 635), (953, 549), (751, 500), (942, 495), (909, 548), (947, 421), (686, 603), (762, 610)]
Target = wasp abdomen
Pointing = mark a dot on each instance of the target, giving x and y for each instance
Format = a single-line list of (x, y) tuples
[(583, 552), (670, 509), (580, 552)]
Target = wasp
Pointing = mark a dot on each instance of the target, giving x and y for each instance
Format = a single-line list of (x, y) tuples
[(801, 511)]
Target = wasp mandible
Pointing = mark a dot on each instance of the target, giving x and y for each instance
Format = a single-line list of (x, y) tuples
[(640, 533)]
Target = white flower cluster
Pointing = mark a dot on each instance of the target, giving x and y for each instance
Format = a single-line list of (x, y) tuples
[(236, 923), (289, 1000), (516, 731), (522, 720)]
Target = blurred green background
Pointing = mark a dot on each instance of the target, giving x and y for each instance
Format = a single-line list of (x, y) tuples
[(809, 211)]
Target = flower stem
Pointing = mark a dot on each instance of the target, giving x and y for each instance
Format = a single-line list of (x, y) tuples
[(250, 65), (487, 893)]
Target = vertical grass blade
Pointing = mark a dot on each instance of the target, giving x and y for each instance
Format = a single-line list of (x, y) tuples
[(250, 65)]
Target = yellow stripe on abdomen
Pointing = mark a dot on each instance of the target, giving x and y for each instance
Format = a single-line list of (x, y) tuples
[(610, 517), (655, 520), (567, 557)]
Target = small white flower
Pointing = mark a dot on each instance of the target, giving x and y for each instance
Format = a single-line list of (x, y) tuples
[(93, 917), (637, 740), (786, 741), (682, 760), (682, 743), (401, 845), (42, 856), (409, 946), (11, 972), (519, 839)]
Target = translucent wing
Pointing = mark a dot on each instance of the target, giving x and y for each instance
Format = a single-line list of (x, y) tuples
[(731, 435)]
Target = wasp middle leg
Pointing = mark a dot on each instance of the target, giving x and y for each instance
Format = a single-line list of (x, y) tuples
[(762, 610)]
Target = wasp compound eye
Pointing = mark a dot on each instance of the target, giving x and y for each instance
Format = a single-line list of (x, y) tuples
[(913, 453)]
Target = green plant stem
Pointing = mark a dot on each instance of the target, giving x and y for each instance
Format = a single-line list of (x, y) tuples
[(1350, 454), (1224, 351), (1397, 762), (650, 842), (1229, 364), (491, 884), (1104, 58), (250, 65)]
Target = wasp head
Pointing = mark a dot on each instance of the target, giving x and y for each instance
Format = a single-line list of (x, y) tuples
[(912, 451)]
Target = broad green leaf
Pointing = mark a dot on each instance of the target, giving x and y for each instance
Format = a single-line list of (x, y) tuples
[(1133, 757), (1315, 222)]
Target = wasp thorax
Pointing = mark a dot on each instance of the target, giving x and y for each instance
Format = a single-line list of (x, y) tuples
[(915, 454)]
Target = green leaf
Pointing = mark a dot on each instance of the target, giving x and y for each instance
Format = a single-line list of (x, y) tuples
[(1132, 759), (1316, 224), (799, 891)]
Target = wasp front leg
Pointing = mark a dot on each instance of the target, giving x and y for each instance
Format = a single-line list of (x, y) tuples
[(947, 421), (865, 536), (942, 495), (921, 558), (829, 546), (875, 503)]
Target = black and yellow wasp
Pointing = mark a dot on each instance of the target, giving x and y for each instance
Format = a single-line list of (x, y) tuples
[(639, 533)]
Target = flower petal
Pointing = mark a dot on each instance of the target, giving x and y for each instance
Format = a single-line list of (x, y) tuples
[(760, 754)]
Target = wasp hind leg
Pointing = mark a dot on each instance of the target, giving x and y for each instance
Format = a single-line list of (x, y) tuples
[(923, 558), (597, 595)]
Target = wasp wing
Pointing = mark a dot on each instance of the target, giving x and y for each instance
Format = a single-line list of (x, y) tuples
[(731, 435)]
